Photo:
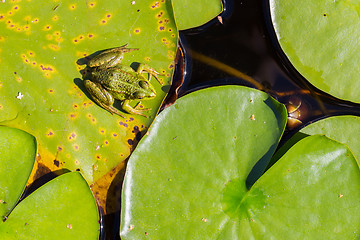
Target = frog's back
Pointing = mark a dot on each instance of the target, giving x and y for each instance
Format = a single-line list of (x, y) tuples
[(121, 84), (126, 76)]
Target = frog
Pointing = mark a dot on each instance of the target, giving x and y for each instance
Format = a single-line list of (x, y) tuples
[(106, 79)]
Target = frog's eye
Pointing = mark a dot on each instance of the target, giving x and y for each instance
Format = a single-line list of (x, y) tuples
[(144, 84), (138, 95)]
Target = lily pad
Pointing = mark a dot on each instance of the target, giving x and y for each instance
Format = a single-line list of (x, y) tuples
[(64, 208), (194, 13), (17, 156), (312, 192), (43, 48), (339, 128), (320, 37), (176, 175), (187, 178)]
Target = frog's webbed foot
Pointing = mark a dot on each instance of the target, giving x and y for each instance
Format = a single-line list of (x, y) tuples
[(111, 109), (110, 57), (152, 72), (101, 97), (134, 110)]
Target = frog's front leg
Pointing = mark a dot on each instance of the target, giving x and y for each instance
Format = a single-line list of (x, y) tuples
[(134, 110), (146, 68), (101, 96)]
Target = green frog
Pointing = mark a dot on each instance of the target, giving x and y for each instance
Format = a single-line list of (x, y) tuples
[(106, 80)]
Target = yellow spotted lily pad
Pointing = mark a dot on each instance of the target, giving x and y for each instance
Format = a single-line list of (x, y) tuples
[(43, 48)]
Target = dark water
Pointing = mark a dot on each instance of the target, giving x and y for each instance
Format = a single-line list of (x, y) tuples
[(245, 45), (246, 42)]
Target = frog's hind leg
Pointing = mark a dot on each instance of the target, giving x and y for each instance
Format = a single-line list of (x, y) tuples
[(114, 59), (152, 72), (110, 57), (101, 97), (122, 49), (134, 110)]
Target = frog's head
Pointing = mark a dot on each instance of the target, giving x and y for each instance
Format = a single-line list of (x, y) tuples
[(145, 90)]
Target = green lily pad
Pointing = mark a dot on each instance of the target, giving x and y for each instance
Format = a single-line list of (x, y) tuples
[(312, 192), (17, 156), (339, 128), (320, 38), (187, 178), (43, 47), (176, 176), (64, 208), (190, 13)]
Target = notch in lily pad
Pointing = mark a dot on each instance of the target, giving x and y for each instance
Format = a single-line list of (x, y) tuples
[(187, 178)]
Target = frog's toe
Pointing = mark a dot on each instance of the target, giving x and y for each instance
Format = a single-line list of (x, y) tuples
[(137, 110), (117, 113), (157, 78), (112, 110)]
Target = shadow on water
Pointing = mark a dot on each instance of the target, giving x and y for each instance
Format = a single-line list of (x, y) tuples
[(113, 203), (246, 42), (46, 176)]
